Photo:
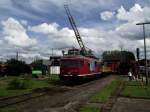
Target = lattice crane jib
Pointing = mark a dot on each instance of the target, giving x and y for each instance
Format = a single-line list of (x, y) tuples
[(74, 27)]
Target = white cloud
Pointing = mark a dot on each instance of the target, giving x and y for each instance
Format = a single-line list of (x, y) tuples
[(24, 22), (135, 14), (45, 28), (58, 37), (16, 34), (129, 30), (141, 42), (107, 15), (53, 30), (94, 38), (126, 35)]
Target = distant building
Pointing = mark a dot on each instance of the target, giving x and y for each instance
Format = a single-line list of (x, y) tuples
[(55, 64), (55, 60), (3, 68)]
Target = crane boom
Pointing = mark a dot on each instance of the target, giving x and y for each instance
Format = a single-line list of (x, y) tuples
[(74, 27)]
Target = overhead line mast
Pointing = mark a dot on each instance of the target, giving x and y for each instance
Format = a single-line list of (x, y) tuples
[(74, 27)]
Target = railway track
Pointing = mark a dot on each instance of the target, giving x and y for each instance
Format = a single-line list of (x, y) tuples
[(4, 102), (50, 92), (18, 99), (107, 107)]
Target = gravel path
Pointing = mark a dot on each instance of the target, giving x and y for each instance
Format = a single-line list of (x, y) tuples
[(131, 105)]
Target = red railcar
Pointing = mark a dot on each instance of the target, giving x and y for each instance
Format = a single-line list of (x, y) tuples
[(79, 66)]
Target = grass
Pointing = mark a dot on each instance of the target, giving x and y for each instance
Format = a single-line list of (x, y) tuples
[(106, 92), (133, 83), (135, 89), (8, 109), (54, 79), (89, 108), (101, 97), (33, 84)]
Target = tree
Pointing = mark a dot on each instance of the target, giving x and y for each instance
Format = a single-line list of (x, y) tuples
[(125, 58), (122, 56), (37, 64), (16, 67)]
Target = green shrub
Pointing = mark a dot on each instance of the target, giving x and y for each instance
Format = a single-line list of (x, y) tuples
[(18, 84)]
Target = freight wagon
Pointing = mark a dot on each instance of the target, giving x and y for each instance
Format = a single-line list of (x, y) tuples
[(110, 66)]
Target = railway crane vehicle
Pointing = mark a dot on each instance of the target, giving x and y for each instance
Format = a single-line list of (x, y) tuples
[(81, 62)]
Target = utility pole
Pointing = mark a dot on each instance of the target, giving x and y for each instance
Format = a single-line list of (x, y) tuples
[(138, 54), (17, 55), (138, 64), (146, 71), (52, 52)]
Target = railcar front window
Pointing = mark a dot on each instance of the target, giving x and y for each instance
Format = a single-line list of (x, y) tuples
[(71, 63)]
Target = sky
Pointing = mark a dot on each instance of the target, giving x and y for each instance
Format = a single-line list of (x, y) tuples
[(40, 28)]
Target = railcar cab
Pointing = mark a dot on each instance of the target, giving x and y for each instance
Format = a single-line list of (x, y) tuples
[(71, 67), (74, 51), (75, 64)]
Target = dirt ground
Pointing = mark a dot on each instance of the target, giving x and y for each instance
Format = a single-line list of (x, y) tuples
[(131, 105), (65, 101)]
